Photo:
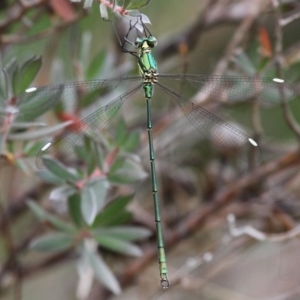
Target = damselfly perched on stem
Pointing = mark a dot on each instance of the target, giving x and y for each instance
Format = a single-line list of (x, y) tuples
[(209, 125)]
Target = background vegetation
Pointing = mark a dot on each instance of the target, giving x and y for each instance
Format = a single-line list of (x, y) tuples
[(87, 231)]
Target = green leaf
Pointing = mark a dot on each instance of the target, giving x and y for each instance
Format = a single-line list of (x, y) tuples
[(53, 242), (33, 148), (27, 74), (131, 142), (263, 65), (26, 125), (118, 245), (102, 271), (49, 177), (45, 216), (11, 72), (34, 103), (121, 218), (117, 164), (74, 206), (96, 158), (293, 72), (131, 171), (38, 133), (85, 46), (128, 233), (100, 186), (3, 86), (114, 213), (62, 192), (121, 133), (94, 68), (91, 153), (92, 199), (245, 64), (135, 4), (89, 205), (22, 165), (60, 170)]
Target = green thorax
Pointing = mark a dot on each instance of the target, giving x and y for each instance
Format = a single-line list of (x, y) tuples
[(147, 63)]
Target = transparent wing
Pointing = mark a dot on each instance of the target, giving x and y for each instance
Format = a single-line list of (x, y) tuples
[(37, 100), (234, 88), (229, 89), (91, 126), (68, 94), (223, 135)]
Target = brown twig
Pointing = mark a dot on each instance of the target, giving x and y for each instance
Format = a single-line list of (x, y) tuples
[(293, 16), (12, 263), (15, 39), (260, 235), (278, 63), (18, 10)]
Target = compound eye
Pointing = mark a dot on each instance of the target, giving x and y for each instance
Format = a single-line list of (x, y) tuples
[(152, 42), (138, 42)]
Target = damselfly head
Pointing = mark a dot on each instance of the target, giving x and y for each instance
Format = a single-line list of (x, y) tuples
[(146, 42)]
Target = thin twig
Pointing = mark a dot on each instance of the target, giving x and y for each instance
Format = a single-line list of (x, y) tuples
[(16, 39), (18, 10), (278, 63), (259, 235), (294, 16), (256, 7)]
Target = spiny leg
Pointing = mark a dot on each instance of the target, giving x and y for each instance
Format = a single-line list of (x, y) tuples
[(146, 30), (125, 39)]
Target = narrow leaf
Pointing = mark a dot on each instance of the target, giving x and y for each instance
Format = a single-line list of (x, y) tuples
[(89, 207), (131, 142), (45, 216), (245, 64), (62, 192), (121, 133), (114, 213), (102, 271), (32, 148), (61, 170), (74, 206), (27, 73), (11, 72), (130, 172), (94, 68), (128, 233), (100, 186), (37, 101), (135, 4), (38, 133), (53, 242), (22, 125), (118, 245), (49, 177)]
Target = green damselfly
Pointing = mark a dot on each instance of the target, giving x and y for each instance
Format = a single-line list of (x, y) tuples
[(221, 87)]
